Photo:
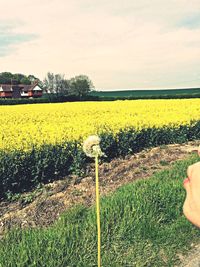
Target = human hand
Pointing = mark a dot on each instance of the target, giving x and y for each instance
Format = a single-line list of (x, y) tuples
[(191, 207)]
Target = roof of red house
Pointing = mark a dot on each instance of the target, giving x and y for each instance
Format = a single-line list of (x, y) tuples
[(8, 87)]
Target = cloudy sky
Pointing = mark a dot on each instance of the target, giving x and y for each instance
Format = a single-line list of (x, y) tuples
[(119, 44)]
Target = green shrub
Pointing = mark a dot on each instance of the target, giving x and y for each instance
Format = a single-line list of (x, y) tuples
[(21, 171), (47, 99)]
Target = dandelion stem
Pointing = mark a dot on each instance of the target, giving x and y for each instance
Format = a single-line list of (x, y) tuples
[(98, 212)]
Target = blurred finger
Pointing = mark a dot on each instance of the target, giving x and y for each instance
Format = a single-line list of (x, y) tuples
[(189, 171), (186, 185)]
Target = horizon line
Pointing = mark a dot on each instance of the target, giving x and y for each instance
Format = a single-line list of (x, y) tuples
[(143, 89)]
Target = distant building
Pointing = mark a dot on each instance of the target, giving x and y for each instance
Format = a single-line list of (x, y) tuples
[(15, 90)]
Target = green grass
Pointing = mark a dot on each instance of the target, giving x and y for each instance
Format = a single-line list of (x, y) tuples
[(142, 225), (167, 93)]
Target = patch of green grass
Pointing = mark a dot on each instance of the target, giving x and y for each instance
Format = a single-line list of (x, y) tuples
[(164, 163), (76, 192), (163, 146), (143, 168), (142, 225), (167, 93), (25, 198)]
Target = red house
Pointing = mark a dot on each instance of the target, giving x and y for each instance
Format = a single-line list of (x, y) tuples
[(20, 90)]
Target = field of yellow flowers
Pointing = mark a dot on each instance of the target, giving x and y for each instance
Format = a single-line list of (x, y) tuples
[(23, 126), (43, 142)]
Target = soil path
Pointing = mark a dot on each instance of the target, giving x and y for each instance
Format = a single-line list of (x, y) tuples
[(41, 207)]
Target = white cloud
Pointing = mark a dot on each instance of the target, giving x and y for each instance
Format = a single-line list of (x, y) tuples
[(119, 44)]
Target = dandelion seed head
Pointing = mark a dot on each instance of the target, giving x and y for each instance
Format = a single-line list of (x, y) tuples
[(91, 146)]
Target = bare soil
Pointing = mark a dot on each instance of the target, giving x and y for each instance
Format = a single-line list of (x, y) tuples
[(191, 258)]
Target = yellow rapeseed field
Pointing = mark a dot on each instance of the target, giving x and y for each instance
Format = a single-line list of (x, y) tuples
[(22, 126)]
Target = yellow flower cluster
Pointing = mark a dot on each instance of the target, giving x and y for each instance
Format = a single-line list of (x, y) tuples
[(23, 126)]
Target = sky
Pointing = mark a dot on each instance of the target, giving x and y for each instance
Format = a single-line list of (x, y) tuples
[(119, 44)]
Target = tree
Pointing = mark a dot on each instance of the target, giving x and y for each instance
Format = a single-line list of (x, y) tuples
[(64, 87), (32, 78), (56, 84), (49, 83), (20, 78), (61, 85), (25, 80), (80, 85), (8, 77)]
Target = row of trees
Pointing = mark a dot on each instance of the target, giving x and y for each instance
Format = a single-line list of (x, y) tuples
[(79, 86), (8, 77), (53, 84)]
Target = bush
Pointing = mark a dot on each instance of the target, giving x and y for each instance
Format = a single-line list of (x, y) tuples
[(21, 171), (51, 98)]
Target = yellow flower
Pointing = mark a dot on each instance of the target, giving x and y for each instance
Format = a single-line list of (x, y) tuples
[(25, 126)]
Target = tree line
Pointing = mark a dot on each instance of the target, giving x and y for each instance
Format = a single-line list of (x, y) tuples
[(8, 77), (53, 85), (79, 85)]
